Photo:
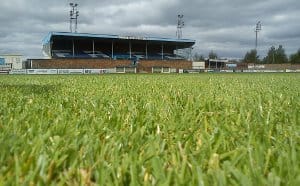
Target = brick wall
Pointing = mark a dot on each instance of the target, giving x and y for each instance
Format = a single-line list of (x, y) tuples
[(78, 63), (143, 65)]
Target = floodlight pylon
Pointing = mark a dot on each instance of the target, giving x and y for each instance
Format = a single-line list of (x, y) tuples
[(257, 29), (180, 25), (74, 13)]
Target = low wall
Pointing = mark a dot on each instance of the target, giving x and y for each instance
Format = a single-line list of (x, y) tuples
[(77, 63), (142, 65), (282, 66), (146, 65)]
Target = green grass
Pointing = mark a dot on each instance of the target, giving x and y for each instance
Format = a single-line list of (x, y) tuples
[(207, 129)]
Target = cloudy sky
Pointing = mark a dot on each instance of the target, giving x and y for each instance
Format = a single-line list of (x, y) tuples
[(224, 26)]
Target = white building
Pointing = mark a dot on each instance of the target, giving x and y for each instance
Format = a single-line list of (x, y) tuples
[(15, 60), (198, 65)]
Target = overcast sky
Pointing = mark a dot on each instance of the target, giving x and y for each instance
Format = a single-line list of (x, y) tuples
[(224, 26)]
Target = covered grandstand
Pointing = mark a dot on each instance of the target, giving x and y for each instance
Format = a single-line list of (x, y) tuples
[(76, 45), (77, 50)]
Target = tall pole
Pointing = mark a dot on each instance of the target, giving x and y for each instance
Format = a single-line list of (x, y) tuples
[(74, 13), (76, 20), (255, 40), (180, 25), (257, 29), (71, 14)]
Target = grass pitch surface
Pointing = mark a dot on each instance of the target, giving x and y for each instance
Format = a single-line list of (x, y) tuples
[(207, 129)]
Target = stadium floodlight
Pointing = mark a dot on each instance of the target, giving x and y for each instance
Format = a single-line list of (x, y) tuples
[(180, 25), (74, 13), (76, 20), (257, 29)]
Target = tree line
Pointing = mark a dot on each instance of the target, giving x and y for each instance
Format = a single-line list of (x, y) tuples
[(274, 56), (200, 57)]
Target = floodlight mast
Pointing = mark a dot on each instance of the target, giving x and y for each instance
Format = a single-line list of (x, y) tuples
[(74, 13), (180, 25), (257, 29)]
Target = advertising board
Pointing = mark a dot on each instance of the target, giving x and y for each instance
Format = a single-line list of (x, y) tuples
[(41, 71), (96, 71), (70, 71), (19, 71), (2, 61)]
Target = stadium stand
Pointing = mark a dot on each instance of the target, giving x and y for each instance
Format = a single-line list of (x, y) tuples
[(72, 45), (77, 50)]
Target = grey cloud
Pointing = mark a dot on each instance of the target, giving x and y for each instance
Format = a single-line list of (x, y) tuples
[(226, 27)]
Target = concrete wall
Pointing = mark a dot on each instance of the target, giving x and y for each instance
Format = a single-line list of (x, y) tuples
[(14, 59), (146, 65), (199, 65)]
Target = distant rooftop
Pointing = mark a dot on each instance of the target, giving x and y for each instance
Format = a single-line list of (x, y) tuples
[(10, 55)]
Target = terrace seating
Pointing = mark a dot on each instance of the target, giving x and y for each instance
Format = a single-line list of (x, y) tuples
[(173, 57), (62, 53), (79, 54), (96, 54), (88, 54), (154, 56), (166, 56), (138, 55), (121, 56)]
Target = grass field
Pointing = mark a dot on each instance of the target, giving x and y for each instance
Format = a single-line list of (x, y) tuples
[(207, 129)]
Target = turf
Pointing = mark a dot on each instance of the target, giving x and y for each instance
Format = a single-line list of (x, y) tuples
[(202, 129)]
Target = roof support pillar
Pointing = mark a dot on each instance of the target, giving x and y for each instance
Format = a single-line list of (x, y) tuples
[(146, 50), (129, 49), (73, 48), (51, 53), (93, 48), (162, 51), (190, 54), (112, 49)]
